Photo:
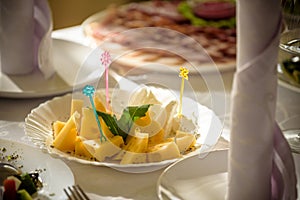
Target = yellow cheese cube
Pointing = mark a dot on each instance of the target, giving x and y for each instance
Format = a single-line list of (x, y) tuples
[(99, 101), (157, 138), (137, 143), (105, 129), (65, 140), (80, 149), (143, 121), (57, 126), (154, 130)]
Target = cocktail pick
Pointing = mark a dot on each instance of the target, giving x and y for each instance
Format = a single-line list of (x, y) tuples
[(106, 60), (184, 75), (89, 91)]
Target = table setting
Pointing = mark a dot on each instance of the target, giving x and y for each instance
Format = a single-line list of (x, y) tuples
[(153, 110)]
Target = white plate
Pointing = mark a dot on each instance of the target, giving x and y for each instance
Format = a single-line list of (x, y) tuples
[(194, 177), (93, 196), (200, 178), (55, 174), (38, 127), (67, 59)]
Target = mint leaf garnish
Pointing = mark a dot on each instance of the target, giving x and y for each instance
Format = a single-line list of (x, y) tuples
[(129, 115)]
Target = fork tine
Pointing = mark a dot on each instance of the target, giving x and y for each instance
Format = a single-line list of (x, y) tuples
[(68, 195), (75, 193), (79, 190)]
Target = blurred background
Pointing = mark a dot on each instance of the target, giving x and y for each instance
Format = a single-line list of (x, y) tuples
[(73, 12)]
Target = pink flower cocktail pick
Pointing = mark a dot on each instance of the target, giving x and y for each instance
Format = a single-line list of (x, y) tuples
[(106, 60)]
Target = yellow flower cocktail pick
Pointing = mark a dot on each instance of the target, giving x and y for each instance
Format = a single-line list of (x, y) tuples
[(184, 75)]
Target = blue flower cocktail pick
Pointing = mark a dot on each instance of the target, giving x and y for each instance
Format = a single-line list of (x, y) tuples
[(89, 91)]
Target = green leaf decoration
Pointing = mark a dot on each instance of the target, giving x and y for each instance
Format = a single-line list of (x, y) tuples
[(129, 115), (110, 121)]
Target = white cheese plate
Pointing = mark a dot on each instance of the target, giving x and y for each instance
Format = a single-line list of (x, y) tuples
[(38, 127)]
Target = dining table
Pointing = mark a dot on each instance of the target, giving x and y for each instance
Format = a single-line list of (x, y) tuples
[(109, 182)]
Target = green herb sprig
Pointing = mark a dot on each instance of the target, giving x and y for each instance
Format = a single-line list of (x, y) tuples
[(123, 125)]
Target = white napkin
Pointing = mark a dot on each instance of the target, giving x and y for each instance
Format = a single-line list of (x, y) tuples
[(25, 39), (252, 147), (43, 40)]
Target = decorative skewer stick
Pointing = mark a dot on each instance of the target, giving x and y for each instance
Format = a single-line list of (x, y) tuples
[(184, 75), (106, 60), (89, 91)]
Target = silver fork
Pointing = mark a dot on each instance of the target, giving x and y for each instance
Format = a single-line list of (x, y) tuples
[(75, 193)]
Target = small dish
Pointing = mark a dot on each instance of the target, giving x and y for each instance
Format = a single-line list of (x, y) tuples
[(204, 178), (54, 173), (67, 60), (199, 177)]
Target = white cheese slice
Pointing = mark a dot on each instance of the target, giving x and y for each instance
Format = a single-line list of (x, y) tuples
[(108, 148), (171, 109), (89, 127), (135, 149), (143, 96), (181, 123), (76, 105), (91, 145), (152, 129), (163, 151), (184, 140), (133, 158)]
